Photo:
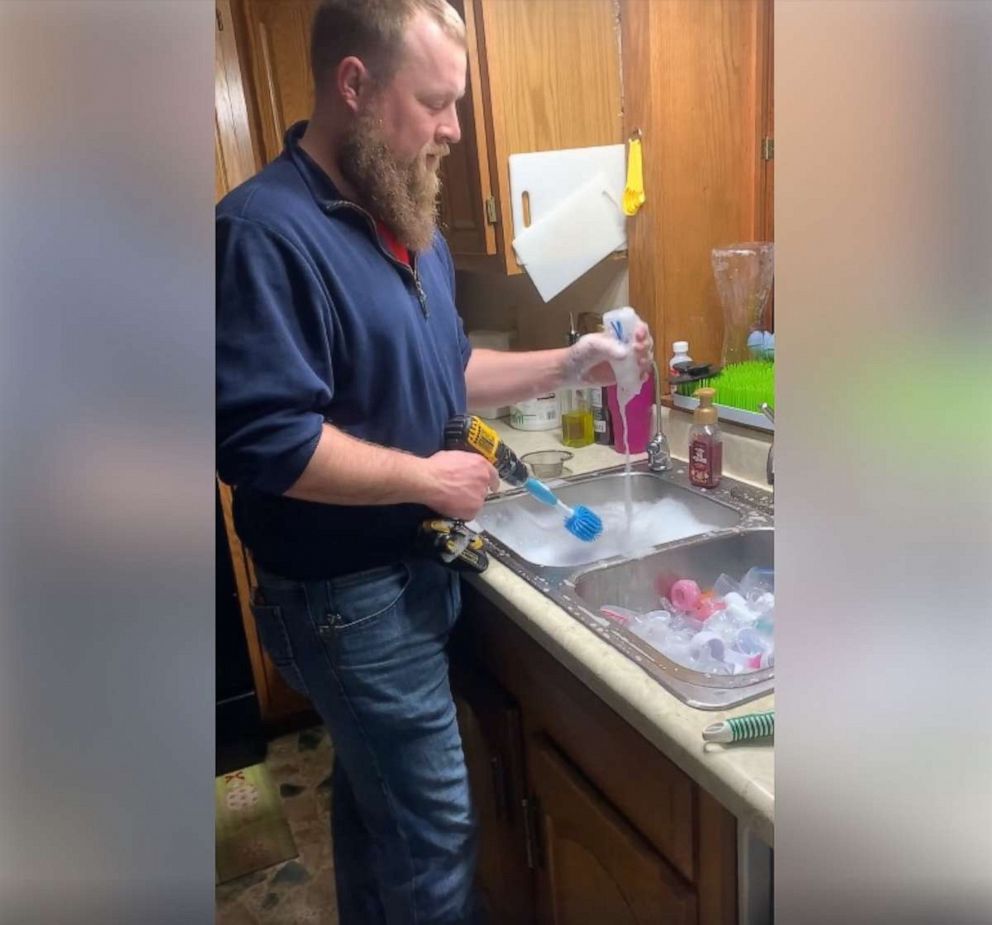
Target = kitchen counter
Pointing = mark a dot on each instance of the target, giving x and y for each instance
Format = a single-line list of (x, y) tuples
[(740, 776)]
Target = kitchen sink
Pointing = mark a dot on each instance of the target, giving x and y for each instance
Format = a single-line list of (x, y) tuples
[(535, 531), (637, 584), (724, 530)]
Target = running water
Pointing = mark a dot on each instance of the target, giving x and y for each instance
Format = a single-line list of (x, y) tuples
[(628, 501)]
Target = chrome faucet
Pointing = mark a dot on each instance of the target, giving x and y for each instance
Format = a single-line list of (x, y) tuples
[(769, 413), (659, 457)]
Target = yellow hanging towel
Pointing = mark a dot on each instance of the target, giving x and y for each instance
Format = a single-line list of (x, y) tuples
[(633, 195)]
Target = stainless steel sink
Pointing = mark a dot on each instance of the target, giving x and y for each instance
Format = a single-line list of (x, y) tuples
[(737, 522), (637, 584), (535, 533)]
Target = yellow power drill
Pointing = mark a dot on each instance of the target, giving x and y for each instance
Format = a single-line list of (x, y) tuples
[(448, 539), (471, 434)]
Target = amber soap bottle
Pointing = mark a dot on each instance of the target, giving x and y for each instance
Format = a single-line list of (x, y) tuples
[(705, 443)]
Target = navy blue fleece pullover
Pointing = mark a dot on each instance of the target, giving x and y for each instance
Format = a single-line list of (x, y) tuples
[(317, 321)]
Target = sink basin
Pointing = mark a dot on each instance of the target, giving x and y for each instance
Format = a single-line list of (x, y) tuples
[(637, 584), (663, 512), (687, 533)]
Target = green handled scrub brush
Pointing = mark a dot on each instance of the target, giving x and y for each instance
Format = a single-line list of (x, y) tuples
[(739, 728)]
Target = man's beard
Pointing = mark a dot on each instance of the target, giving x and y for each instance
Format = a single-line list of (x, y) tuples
[(403, 195)]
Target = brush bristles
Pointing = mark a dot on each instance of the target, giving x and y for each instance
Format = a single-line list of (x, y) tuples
[(584, 524)]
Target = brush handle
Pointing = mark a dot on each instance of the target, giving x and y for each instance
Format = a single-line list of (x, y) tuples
[(740, 728), (545, 495)]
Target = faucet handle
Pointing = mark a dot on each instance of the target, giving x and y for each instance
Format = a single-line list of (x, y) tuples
[(769, 413), (659, 456)]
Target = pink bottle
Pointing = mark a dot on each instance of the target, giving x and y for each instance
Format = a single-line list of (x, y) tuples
[(638, 418)]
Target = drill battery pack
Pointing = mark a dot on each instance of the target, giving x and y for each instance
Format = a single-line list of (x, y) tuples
[(454, 544)]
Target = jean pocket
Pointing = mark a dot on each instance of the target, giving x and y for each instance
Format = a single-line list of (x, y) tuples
[(276, 642), (363, 597)]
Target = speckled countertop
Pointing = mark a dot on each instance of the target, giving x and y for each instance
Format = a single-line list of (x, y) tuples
[(741, 776)]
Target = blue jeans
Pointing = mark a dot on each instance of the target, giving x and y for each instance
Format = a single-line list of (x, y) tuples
[(368, 649)]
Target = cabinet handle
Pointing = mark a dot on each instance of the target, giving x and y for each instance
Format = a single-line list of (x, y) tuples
[(499, 787), (531, 825)]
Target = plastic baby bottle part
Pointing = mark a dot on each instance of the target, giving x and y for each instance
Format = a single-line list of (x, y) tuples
[(684, 594), (707, 605), (621, 322), (617, 614), (631, 400), (708, 644), (750, 642)]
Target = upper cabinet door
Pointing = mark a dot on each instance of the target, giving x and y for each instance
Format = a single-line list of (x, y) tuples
[(277, 35), (234, 153), (551, 72), (467, 208)]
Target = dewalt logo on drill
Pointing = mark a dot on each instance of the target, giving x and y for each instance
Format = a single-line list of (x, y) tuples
[(467, 432), (483, 439)]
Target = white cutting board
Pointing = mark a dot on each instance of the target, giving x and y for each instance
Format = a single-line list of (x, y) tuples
[(550, 177), (572, 238)]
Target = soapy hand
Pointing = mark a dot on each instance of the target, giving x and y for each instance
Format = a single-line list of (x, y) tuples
[(588, 359)]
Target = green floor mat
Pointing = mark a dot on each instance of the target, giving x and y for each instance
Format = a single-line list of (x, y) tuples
[(251, 829)]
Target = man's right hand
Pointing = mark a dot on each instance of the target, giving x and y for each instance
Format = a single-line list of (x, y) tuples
[(457, 483)]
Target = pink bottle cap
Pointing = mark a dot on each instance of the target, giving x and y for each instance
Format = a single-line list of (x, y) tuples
[(684, 594)]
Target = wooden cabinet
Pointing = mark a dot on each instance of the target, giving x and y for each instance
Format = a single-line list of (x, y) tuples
[(234, 153), (597, 867), (468, 210), (613, 832), (274, 44), (490, 726), (542, 74), (697, 82), (278, 703), (235, 161)]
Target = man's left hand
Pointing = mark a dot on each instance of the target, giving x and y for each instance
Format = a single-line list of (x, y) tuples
[(588, 359)]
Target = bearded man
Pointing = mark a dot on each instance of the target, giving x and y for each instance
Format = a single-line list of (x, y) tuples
[(340, 356)]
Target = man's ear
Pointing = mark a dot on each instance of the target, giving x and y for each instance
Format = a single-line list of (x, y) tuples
[(352, 81)]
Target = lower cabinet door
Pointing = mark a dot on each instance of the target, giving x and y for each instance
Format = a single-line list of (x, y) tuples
[(595, 868), (492, 740)]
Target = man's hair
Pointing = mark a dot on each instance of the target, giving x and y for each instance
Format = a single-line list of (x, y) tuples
[(373, 31)]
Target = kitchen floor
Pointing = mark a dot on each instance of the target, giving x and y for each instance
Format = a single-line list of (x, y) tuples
[(299, 890)]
